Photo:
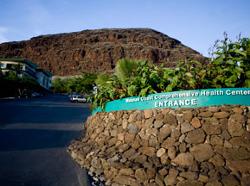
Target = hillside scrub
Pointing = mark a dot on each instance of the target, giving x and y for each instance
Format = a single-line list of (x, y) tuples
[(229, 67)]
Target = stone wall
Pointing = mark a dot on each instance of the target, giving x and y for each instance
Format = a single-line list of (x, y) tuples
[(205, 146)]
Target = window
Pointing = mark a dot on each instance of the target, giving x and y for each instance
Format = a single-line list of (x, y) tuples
[(8, 66), (2, 65)]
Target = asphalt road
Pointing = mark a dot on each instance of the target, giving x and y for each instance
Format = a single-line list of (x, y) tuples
[(34, 135)]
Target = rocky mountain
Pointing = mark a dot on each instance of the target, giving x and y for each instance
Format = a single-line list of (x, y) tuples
[(98, 50)]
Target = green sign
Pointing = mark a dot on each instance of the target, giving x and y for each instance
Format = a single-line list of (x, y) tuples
[(182, 99)]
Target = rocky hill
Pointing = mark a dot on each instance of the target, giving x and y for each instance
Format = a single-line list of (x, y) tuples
[(98, 50)]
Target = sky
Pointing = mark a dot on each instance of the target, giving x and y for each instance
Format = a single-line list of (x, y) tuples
[(196, 23)]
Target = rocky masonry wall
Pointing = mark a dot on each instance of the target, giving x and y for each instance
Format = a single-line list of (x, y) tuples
[(185, 147)]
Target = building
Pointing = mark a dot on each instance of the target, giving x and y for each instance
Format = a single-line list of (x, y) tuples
[(43, 78), (21, 67), (25, 68)]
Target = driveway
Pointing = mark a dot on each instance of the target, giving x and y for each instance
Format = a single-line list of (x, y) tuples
[(34, 135)]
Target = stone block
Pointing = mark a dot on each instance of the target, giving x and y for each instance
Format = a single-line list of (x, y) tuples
[(202, 152), (184, 159)]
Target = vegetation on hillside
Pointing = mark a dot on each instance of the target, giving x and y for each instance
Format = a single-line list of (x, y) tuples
[(228, 67)]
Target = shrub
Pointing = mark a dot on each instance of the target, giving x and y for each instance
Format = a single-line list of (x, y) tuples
[(82, 84), (228, 67)]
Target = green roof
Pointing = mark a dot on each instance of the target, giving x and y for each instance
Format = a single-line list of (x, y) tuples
[(28, 62), (21, 60), (44, 71)]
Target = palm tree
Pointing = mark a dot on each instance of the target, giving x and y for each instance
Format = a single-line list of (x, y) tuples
[(103, 80), (125, 69)]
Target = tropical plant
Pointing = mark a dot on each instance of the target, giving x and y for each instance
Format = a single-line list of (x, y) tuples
[(230, 63), (109, 89), (228, 67), (125, 69)]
